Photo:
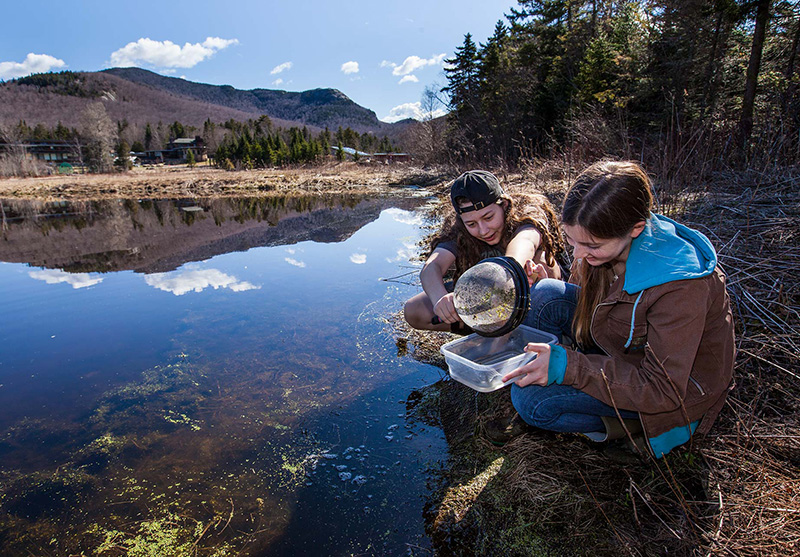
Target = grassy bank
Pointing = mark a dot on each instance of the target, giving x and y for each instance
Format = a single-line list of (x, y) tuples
[(735, 492), (181, 181)]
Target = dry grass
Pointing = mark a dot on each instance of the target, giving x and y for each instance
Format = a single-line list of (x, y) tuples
[(204, 181), (736, 492)]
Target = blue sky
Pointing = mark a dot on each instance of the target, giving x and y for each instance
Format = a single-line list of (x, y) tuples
[(380, 54)]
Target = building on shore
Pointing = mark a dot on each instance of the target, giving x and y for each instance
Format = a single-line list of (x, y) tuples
[(176, 152), (49, 152), (380, 158)]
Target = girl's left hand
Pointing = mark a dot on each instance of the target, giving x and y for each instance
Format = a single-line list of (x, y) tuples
[(534, 372)]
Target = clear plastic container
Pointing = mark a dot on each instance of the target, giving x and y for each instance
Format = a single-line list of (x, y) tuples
[(480, 362)]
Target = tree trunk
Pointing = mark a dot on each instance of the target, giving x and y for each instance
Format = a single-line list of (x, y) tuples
[(709, 99), (789, 103), (748, 101)]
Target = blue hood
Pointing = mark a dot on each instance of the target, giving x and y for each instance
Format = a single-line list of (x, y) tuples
[(666, 251)]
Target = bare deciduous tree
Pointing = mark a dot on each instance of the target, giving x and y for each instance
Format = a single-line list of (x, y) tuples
[(98, 134)]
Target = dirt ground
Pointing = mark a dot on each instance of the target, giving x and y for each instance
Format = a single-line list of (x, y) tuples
[(181, 181)]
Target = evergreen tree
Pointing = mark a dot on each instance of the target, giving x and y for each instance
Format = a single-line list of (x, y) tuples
[(148, 137)]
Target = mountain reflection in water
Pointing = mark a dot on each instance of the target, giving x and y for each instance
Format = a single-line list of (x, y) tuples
[(151, 236), (210, 376)]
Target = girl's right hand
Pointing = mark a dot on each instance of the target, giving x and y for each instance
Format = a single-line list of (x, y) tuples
[(445, 309)]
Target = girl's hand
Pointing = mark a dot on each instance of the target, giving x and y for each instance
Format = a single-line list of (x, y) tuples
[(445, 309), (535, 271), (534, 372)]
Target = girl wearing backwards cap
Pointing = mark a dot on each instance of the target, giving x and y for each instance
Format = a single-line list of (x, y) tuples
[(486, 223)]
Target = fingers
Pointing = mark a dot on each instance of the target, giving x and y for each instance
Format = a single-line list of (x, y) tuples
[(534, 372), (535, 271), (446, 309), (541, 272)]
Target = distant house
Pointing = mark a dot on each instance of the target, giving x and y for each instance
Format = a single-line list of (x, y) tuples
[(50, 152), (350, 152), (383, 158), (389, 158), (177, 152)]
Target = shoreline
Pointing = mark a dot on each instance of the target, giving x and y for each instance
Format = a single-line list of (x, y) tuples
[(206, 181)]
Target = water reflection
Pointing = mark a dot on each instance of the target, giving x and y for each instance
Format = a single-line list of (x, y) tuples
[(160, 235), (179, 283), (216, 384), (57, 276)]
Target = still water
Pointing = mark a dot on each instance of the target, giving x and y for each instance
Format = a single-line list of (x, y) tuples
[(211, 377)]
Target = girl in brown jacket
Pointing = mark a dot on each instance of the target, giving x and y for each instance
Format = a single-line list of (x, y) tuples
[(646, 320)]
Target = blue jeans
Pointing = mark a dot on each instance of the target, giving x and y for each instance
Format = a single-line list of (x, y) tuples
[(558, 407)]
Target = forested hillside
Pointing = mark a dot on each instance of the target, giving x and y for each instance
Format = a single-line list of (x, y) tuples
[(673, 82), (318, 107), (139, 96)]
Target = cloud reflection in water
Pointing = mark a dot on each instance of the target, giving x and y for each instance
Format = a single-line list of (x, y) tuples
[(55, 276), (179, 283)]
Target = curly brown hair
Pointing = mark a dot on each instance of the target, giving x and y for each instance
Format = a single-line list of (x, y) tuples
[(521, 208)]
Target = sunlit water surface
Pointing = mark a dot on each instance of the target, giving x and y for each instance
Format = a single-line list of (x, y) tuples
[(211, 375)]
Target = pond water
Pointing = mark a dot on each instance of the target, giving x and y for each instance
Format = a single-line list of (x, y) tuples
[(210, 375)]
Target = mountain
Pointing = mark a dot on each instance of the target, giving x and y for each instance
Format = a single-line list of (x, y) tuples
[(317, 107), (140, 96)]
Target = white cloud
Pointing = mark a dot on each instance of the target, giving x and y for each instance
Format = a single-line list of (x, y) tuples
[(166, 54), (350, 67), (359, 258), (403, 254), (290, 251), (56, 276), (295, 262), (405, 217), (413, 63), (410, 110), (33, 63), (179, 283), (281, 67), (409, 79), (277, 81)]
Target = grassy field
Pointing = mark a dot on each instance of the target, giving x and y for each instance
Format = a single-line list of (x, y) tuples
[(204, 181)]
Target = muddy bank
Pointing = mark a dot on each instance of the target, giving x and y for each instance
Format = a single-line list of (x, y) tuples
[(171, 182)]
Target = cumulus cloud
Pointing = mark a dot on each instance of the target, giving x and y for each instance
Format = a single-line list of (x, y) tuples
[(413, 63), (410, 110), (166, 54), (350, 67), (359, 258), (277, 81), (281, 68), (33, 63), (56, 276), (295, 262), (409, 79), (179, 283)]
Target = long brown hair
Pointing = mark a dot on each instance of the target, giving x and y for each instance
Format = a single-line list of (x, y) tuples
[(607, 199), (533, 209)]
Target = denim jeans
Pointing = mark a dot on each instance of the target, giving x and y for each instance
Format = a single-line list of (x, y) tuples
[(558, 407)]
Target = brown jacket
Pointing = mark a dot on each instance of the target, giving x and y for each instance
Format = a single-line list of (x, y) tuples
[(678, 367)]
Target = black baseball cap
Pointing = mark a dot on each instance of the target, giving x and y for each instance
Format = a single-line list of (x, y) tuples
[(480, 187)]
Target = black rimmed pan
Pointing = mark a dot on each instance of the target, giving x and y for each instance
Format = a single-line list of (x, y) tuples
[(492, 297)]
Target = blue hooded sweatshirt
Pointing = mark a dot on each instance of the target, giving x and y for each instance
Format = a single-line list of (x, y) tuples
[(665, 251)]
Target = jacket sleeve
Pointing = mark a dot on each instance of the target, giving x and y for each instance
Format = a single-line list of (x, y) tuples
[(675, 322)]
